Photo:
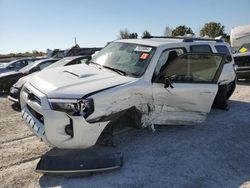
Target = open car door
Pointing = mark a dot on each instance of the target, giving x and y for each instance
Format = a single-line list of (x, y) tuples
[(183, 93)]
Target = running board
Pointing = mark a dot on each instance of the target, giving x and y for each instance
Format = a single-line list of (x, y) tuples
[(78, 162)]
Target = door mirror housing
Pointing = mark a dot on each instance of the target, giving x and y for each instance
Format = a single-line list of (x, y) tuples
[(168, 83)]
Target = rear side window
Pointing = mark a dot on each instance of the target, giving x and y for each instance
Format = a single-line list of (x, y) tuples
[(224, 50), (203, 48)]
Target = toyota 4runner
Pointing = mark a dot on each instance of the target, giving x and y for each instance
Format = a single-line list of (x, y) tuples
[(156, 80)]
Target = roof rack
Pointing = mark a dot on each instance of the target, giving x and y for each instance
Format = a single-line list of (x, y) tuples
[(185, 39)]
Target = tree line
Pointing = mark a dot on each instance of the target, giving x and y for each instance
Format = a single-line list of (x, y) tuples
[(210, 29)]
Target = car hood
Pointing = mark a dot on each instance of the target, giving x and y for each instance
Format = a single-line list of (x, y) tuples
[(76, 81)]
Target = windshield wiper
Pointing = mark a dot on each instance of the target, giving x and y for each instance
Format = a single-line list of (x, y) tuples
[(98, 65), (115, 70)]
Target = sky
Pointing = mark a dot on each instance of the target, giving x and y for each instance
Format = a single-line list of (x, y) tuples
[(41, 24)]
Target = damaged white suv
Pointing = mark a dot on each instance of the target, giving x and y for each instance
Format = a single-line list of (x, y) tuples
[(155, 81)]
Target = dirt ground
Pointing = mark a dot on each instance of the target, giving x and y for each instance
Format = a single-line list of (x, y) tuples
[(213, 154)]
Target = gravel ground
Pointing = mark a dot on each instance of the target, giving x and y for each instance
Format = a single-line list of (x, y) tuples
[(213, 154)]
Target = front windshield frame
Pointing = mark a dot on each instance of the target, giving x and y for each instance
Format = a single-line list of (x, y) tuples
[(132, 74)]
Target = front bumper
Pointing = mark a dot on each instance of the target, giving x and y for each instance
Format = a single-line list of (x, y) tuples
[(50, 125)]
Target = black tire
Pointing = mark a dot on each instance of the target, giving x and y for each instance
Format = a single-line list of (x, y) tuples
[(231, 88)]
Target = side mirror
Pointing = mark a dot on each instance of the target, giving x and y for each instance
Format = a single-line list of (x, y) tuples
[(167, 83)]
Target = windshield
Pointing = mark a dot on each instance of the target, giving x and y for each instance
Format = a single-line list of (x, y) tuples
[(30, 66), (131, 59), (7, 64)]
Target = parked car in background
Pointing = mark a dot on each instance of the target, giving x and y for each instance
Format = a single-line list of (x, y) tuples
[(168, 81), (74, 51), (15, 65), (239, 35), (9, 78), (82, 51), (240, 41), (16, 88), (242, 62)]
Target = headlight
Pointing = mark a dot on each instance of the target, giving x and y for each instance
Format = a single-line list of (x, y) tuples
[(81, 107)]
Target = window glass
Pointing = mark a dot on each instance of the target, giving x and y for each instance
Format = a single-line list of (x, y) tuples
[(201, 68), (224, 50), (30, 61), (43, 65), (203, 48), (133, 59), (167, 57), (83, 61), (19, 64)]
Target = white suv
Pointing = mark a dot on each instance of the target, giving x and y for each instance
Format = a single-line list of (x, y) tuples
[(154, 81)]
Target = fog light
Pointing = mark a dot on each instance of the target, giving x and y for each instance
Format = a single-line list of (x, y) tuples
[(69, 130)]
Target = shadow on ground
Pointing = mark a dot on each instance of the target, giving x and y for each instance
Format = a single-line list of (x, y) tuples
[(213, 154)]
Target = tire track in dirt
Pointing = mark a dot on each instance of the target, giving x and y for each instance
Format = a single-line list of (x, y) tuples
[(20, 175), (17, 139), (21, 151)]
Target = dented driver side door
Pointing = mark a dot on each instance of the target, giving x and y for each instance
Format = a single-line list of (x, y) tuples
[(184, 91)]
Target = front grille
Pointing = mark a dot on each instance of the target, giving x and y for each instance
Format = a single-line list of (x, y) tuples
[(37, 115)]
